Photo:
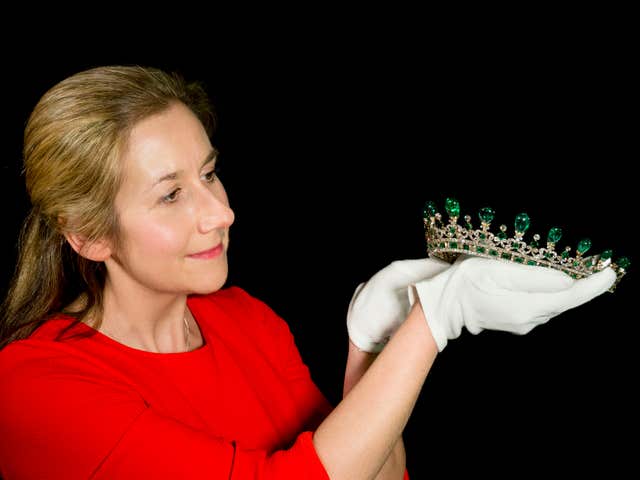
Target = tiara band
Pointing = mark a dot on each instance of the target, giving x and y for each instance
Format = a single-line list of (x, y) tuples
[(448, 241)]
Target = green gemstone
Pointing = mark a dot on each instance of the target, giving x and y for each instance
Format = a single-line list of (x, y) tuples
[(583, 246), (555, 234), (515, 246), (534, 244), (469, 226), (522, 222), (486, 214), (623, 262), (453, 207), (441, 245), (493, 252), (532, 262), (588, 264), (565, 254), (453, 244), (506, 256), (430, 209), (465, 246), (606, 255), (502, 236), (480, 249), (482, 236), (576, 263), (520, 259)]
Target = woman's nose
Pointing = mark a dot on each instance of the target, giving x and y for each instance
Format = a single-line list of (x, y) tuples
[(216, 213)]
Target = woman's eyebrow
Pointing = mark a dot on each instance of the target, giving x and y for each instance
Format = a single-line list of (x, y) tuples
[(173, 175)]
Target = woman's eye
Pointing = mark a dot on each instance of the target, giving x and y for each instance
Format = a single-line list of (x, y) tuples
[(213, 174), (172, 197)]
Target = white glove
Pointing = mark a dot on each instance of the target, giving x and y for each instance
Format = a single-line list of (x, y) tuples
[(481, 293), (379, 306)]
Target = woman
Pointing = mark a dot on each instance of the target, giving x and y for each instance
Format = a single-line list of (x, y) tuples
[(123, 356)]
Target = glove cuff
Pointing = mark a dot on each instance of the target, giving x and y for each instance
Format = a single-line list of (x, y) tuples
[(417, 293), (364, 343)]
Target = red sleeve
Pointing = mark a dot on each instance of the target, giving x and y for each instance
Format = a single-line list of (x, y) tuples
[(308, 395), (62, 417), (310, 400)]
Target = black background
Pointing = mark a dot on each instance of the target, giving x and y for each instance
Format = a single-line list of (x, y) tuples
[(329, 148)]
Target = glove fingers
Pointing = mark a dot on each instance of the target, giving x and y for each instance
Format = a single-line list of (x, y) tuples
[(586, 289), (550, 304), (519, 278)]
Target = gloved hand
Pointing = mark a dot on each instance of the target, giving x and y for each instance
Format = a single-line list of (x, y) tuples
[(481, 293), (379, 306)]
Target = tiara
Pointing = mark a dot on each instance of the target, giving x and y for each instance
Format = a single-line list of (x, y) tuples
[(448, 241)]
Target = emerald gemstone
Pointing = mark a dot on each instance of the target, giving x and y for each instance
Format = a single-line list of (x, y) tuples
[(555, 234), (515, 246), (588, 264), (430, 209), (480, 249), (623, 262), (520, 260), (453, 244), (583, 246), (465, 246), (441, 245), (531, 262), (452, 207), (565, 254), (486, 214), (606, 255), (493, 252), (534, 244), (452, 229), (522, 222), (506, 256), (502, 236), (482, 236)]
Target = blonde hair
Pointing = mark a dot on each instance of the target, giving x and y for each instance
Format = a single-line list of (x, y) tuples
[(73, 143)]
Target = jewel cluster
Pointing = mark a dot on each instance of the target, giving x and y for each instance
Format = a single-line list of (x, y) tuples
[(448, 241)]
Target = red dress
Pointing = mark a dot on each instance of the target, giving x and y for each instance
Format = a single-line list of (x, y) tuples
[(241, 406)]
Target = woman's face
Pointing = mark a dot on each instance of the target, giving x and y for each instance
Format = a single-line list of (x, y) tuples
[(171, 206)]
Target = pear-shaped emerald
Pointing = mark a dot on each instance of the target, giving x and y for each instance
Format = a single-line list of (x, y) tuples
[(486, 214), (430, 209), (555, 234), (583, 246), (623, 262), (522, 222), (452, 207), (606, 255)]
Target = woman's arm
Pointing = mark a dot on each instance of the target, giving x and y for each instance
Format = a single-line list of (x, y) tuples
[(356, 439), (358, 362)]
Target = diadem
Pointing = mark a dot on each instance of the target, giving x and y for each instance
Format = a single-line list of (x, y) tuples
[(448, 241)]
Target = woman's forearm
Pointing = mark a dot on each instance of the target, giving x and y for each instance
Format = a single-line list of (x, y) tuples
[(358, 436), (358, 362)]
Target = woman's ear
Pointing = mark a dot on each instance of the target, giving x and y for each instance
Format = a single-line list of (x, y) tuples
[(98, 250)]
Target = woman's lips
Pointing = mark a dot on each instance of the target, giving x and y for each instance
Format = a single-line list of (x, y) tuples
[(212, 253)]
